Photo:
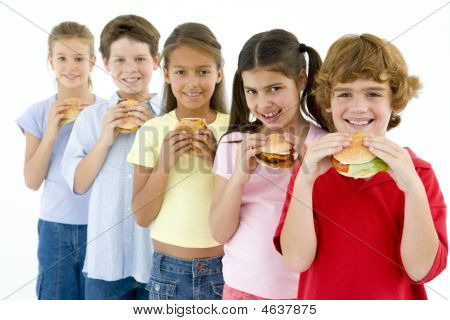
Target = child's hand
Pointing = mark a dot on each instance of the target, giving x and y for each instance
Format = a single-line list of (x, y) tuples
[(317, 157), (55, 115), (401, 167), (206, 145), (245, 157), (174, 145), (299, 145), (140, 113), (112, 119)]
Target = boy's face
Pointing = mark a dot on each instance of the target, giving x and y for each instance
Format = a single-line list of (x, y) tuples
[(131, 66), (361, 105)]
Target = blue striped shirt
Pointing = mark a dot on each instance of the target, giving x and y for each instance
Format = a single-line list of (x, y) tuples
[(117, 247)]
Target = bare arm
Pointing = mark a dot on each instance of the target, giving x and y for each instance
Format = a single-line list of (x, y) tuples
[(148, 193), (298, 238), (150, 183), (420, 241), (225, 208), (88, 168), (37, 158), (38, 152)]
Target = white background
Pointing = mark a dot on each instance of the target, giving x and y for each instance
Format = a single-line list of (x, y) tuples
[(420, 30)]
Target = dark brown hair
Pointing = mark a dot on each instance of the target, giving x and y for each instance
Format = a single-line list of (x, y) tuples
[(132, 27), (275, 50), (366, 56), (199, 37)]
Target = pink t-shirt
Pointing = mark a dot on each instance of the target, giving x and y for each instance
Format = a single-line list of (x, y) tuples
[(251, 263)]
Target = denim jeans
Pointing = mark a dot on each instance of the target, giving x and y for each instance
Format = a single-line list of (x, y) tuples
[(123, 289), (61, 252), (180, 279)]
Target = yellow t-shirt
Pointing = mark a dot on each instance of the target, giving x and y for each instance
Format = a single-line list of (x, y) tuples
[(183, 218)]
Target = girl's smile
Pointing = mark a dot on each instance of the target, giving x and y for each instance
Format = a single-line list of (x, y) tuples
[(272, 97)]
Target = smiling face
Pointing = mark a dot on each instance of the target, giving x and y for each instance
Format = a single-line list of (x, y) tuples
[(131, 66), (361, 105), (272, 97), (192, 75), (70, 62)]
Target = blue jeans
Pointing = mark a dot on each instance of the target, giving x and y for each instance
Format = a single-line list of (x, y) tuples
[(123, 289), (180, 279), (61, 252)]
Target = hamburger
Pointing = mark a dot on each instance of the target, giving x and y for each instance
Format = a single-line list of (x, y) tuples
[(72, 113), (277, 152), (129, 125), (356, 161), (191, 126)]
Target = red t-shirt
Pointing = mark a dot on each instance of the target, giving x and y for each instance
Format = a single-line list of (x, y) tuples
[(359, 228)]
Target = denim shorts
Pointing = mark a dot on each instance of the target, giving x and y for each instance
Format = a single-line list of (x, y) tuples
[(182, 279), (123, 289), (61, 253)]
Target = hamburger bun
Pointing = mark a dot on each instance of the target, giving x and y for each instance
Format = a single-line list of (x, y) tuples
[(129, 125), (72, 113), (276, 153), (356, 161), (191, 126)]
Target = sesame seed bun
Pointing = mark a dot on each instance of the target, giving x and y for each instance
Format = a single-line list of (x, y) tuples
[(356, 153)]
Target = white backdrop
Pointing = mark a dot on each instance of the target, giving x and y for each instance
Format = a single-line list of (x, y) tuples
[(420, 30)]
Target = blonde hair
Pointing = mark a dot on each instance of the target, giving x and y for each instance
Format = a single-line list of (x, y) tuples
[(366, 56), (70, 30)]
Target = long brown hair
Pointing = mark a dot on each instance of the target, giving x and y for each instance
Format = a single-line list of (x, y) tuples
[(275, 50), (199, 37)]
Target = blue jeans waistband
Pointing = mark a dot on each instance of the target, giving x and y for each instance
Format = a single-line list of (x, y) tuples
[(205, 266)]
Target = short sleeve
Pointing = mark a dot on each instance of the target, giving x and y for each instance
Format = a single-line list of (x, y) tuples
[(81, 141), (226, 155), (146, 145), (438, 210), (33, 119)]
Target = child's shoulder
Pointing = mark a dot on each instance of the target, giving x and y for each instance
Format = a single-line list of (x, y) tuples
[(165, 121), (41, 106), (234, 136)]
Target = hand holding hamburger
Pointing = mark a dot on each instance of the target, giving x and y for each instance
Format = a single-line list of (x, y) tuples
[(204, 143), (277, 152), (136, 116), (356, 160), (72, 112)]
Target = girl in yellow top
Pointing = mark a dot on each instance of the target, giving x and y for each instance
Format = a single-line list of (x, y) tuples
[(173, 182)]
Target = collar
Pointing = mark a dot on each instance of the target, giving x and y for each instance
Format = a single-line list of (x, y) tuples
[(153, 103)]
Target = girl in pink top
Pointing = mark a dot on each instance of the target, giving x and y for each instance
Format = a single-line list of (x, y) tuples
[(271, 94)]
